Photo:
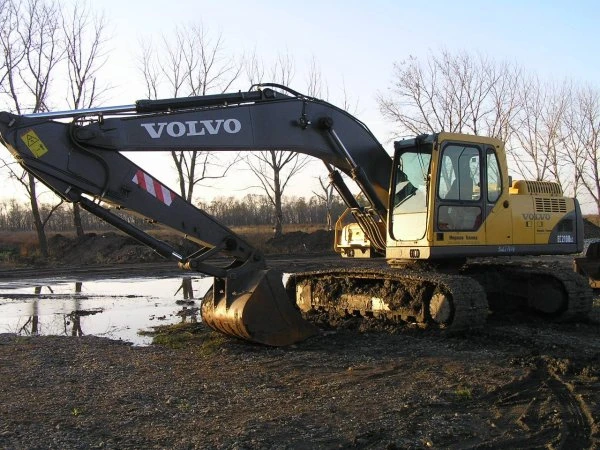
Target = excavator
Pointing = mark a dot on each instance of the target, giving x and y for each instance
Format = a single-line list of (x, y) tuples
[(440, 210)]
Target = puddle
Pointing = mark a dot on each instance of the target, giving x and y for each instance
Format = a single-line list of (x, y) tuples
[(117, 308)]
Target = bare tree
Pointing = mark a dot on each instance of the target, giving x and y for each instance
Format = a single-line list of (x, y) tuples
[(12, 46), (555, 137), (209, 67), (348, 103), (149, 68), (38, 216), (315, 84), (573, 150), (504, 99), (84, 39), (193, 63), (44, 50), (172, 63), (32, 49), (326, 197), (584, 124), (448, 92), (275, 168), (539, 131), (533, 164)]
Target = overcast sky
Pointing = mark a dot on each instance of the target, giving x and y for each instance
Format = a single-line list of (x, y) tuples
[(355, 43)]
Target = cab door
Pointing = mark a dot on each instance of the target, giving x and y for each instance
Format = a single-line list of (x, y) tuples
[(498, 217), (461, 195), (409, 206)]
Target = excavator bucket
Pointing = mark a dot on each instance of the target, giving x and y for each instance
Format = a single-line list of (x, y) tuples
[(255, 307)]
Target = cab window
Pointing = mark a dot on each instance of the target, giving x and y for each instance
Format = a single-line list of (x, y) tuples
[(494, 180), (459, 183), (460, 175), (411, 182)]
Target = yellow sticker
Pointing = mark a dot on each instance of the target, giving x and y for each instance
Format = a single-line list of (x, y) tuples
[(34, 143)]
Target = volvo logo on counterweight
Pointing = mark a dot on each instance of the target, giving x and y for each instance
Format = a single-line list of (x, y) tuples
[(192, 128), (536, 216)]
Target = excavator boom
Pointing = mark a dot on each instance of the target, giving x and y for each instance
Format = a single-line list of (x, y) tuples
[(80, 161)]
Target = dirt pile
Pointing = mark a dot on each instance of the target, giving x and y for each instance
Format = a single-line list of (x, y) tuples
[(590, 230), (105, 248), (320, 241), (115, 248)]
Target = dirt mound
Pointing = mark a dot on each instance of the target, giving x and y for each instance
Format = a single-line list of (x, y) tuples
[(115, 248), (105, 248), (590, 230), (320, 241)]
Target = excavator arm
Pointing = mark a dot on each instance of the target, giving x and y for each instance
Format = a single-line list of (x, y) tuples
[(77, 155)]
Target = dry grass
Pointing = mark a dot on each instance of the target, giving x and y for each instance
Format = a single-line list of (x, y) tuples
[(21, 243), (17, 237)]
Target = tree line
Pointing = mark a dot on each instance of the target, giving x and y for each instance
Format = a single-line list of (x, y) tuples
[(253, 209)]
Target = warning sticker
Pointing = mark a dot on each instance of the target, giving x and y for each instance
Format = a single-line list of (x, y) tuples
[(34, 143), (152, 186)]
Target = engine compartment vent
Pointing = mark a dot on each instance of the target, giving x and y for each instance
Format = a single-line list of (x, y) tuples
[(550, 205)]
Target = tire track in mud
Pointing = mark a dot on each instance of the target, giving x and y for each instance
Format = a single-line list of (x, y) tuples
[(543, 410), (576, 426)]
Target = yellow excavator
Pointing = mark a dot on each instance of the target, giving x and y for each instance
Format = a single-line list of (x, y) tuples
[(435, 208)]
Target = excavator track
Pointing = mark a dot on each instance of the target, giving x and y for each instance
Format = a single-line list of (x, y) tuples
[(428, 300), (556, 294)]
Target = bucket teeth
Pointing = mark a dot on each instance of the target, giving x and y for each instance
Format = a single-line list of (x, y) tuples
[(256, 307)]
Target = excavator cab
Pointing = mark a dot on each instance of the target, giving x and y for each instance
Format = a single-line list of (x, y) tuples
[(450, 198)]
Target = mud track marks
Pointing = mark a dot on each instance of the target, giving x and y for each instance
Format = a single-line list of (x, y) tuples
[(540, 410)]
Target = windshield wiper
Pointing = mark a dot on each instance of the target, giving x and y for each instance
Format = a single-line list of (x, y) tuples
[(407, 191)]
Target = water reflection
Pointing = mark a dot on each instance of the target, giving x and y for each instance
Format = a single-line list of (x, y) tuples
[(186, 288), (74, 315), (30, 328), (189, 315), (117, 307), (76, 322), (38, 289)]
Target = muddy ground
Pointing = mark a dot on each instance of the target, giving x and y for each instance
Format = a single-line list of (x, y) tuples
[(518, 383)]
